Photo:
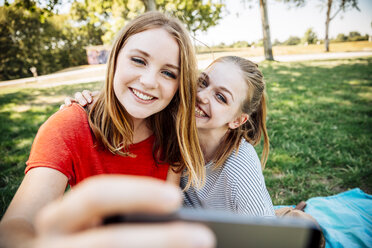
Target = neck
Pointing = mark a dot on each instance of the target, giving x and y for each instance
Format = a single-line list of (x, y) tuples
[(209, 140), (141, 131)]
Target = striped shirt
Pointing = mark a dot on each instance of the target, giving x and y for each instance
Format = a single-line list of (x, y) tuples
[(238, 186)]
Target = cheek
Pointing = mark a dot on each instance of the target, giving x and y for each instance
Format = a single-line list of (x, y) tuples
[(225, 113), (170, 90), (123, 77)]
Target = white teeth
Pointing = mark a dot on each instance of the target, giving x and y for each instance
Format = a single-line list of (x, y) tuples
[(142, 96), (200, 112)]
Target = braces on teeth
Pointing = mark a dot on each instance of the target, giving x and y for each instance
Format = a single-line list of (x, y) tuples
[(199, 112)]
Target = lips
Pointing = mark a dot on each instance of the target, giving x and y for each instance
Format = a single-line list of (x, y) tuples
[(142, 96), (199, 112)]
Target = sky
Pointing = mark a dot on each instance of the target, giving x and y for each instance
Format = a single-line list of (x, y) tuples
[(244, 23)]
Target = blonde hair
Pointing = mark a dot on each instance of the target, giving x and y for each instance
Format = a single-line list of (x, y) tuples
[(176, 141), (254, 106)]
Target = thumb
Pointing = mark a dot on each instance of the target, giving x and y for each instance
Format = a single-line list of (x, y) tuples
[(101, 196)]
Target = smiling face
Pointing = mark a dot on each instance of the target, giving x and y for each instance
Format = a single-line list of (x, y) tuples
[(221, 93), (147, 72)]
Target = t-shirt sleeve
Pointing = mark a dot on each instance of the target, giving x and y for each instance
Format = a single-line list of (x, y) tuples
[(250, 195), (55, 138)]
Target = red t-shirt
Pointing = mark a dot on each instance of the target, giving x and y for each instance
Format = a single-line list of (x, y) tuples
[(65, 143)]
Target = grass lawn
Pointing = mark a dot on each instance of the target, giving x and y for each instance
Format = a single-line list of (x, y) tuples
[(319, 122)]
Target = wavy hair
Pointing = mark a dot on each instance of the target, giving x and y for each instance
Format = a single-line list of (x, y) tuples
[(176, 141)]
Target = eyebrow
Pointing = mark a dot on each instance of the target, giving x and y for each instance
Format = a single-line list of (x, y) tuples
[(226, 90), (206, 77), (148, 56), (140, 51)]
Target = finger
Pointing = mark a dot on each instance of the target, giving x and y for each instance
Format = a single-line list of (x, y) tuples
[(95, 93), (62, 106), (172, 235), (68, 101), (102, 196), (87, 95), (80, 99)]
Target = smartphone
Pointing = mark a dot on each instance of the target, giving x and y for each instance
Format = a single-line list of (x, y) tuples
[(238, 231)]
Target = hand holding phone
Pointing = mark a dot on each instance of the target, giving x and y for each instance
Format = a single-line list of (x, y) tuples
[(234, 230)]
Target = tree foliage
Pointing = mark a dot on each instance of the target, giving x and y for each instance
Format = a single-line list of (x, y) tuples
[(27, 40), (292, 41), (34, 35), (353, 36), (310, 37), (111, 15), (197, 16)]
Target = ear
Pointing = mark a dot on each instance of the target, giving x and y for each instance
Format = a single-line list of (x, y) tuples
[(240, 120)]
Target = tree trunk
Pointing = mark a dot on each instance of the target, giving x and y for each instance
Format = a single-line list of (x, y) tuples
[(150, 5), (328, 20), (266, 31)]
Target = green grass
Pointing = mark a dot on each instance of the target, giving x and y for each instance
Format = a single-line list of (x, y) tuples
[(22, 111), (320, 127), (319, 122)]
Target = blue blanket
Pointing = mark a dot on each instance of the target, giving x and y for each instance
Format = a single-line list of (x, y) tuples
[(345, 219)]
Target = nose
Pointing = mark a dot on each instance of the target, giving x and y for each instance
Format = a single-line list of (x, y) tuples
[(149, 79), (202, 96)]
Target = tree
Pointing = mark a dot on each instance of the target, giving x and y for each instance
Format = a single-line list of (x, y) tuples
[(266, 40), (331, 13), (26, 41), (292, 41), (34, 35), (266, 31), (111, 15), (150, 5), (341, 38), (342, 5), (198, 15), (310, 37), (356, 36)]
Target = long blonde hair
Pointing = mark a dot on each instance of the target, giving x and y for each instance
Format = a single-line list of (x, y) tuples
[(176, 140), (254, 106)]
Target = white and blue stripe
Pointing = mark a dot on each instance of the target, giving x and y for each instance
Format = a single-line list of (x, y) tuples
[(238, 186)]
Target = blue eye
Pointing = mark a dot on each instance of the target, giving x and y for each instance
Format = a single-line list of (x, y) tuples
[(221, 98), (138, 61), (169, 74)]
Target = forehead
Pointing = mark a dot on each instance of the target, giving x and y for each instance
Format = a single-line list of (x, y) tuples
[(157, 42), (230, 76)]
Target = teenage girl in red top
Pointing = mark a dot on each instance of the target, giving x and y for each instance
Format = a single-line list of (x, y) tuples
[(141, 124)]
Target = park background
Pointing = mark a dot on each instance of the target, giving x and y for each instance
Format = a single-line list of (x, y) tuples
[(320, 110)]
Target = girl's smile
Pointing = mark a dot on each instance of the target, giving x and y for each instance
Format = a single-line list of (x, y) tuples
[(142, 97), (221, 93), (199, 113)]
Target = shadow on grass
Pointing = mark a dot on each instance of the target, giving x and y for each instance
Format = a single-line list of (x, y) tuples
[(21, 114), (320, 126)]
